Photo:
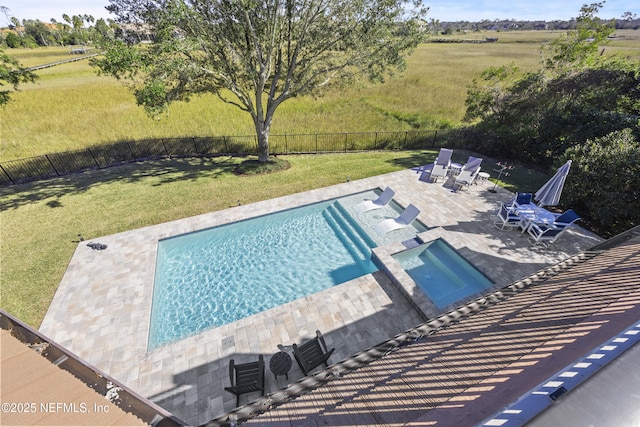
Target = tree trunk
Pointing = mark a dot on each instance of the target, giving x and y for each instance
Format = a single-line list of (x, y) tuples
[(262, 131)]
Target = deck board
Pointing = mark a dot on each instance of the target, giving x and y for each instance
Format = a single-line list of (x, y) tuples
[(28, 378)]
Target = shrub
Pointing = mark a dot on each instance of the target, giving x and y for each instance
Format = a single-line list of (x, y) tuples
[(604, 183)]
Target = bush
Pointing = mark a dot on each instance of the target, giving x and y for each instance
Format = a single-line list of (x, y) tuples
[(604, 182)]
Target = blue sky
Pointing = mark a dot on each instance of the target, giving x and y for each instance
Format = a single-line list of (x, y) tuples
[(443, 10)]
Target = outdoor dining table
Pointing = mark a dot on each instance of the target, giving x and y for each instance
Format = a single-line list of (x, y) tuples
[(534, 214)]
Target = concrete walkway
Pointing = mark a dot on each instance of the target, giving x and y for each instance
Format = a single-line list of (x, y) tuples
[(102, 308)]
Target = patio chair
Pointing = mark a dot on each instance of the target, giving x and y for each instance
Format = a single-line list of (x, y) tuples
[(542, 235), (507, 218), (312, 354), (468, 173), (522, 199), (246, 378), (404, 220), (379, 203), (439, 168), (566, 219)]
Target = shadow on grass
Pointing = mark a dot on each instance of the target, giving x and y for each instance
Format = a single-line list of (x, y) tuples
[(416, 159), (520, 178), (163, 171)]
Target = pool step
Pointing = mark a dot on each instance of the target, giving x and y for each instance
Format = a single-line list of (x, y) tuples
[(355, 225), (342, 223)]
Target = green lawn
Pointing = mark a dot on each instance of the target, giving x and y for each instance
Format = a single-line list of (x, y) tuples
[(41, 221)]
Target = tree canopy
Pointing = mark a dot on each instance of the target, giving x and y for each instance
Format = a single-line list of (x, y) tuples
[(256, 54), (12, 74)]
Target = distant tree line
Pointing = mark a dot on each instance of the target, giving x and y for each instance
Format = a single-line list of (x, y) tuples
[(628, 21), (84, 29), (72, 30)]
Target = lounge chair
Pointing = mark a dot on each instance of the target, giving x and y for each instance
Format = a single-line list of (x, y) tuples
[(438, 171), (312, 354), (246, 378), (507, 218), (543, 235), (439, 168), (378, 203), (566, 219), (404, 220), (468, 173)]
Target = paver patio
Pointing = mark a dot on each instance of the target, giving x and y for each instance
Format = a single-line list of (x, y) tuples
[(101, 310)]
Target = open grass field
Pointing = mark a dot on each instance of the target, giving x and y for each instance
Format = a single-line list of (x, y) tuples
[(70, 107)]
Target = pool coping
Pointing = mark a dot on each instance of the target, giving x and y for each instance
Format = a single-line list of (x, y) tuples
[(346, 203), (385, 260)]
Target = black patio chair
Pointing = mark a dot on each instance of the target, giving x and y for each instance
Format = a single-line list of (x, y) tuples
[(246, 378), (312, 354)]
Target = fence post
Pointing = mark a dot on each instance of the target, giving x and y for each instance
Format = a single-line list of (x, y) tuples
[(133, 156), (404, 145), (166, 152), (8, 176), (316, 143), (435, 134), (51, 163), (94, 158), (195, 146)]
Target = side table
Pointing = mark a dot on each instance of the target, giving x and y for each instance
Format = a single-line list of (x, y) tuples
[(280, 364), (455, 168), (483, 177)]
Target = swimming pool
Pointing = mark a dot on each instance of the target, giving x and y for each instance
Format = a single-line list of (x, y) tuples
[(217, 276), (442, 274)]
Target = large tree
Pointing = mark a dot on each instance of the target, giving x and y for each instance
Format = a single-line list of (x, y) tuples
[(256, 54)]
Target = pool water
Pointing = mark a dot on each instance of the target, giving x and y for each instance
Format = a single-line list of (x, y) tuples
[(442, 274), (219, 275)]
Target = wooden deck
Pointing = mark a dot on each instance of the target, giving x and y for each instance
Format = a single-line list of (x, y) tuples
[(40, 393), (42, 383), (467, 371)]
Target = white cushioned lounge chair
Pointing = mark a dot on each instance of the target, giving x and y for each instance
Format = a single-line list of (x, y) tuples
[(379, 203), (404, 220)]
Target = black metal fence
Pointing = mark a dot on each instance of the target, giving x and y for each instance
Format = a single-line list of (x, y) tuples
[(103, 156)]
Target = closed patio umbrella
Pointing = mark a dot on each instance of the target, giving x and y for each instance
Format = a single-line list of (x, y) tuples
[(549, 193)]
